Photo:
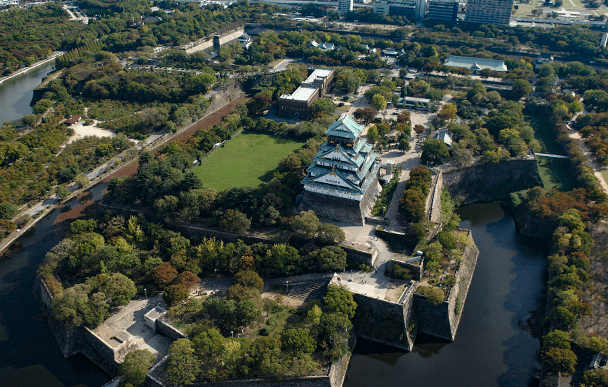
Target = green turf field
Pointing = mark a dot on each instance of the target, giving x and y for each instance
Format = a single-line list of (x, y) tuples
[(245, 161)]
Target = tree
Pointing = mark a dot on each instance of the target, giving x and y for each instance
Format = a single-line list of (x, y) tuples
[(7, 210), (447, 112), (182, 365), (404, 145), (305, 223), (322, 107), (297, 342), (372, 134), (521, 88), (339, 300), (187, 278), (246, 312), (42, 105), (562, 318), (557, 339), (434, 150), (234, 221), (558, 360), (119, 288), (135, 367), (164, 274), (259, 103), (314, 314), (330, 234), (595, 378), (249, 279), (419, 129), (331, 258), (347, 81), (175, 294), (74, 307), (378, 102), (62, 192)]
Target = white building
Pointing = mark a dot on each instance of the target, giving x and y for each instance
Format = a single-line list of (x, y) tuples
[(345, 6), (604, 39), (8, 3)]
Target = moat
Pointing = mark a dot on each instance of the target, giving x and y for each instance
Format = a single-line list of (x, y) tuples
[(490, 348)]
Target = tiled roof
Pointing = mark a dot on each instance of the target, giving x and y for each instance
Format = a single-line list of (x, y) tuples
[(345, 127)]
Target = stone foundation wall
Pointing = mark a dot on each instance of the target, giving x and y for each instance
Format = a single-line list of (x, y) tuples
[(363, 254), (442, 320), (382, 321), (491, 182), (75, 341), (334, 378), (168, 330), (416, 270), (341, 209)]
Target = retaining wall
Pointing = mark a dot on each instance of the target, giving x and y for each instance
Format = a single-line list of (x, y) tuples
[(442, 320), (416, 269), (491, 182), (168, 330), (359, 253)]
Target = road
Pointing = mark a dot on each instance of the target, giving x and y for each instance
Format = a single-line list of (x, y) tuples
[(29, 68)]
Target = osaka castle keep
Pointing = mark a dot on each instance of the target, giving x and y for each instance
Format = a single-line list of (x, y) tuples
[(342, 181)]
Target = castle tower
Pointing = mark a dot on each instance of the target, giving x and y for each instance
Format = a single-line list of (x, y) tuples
[(342, 181)]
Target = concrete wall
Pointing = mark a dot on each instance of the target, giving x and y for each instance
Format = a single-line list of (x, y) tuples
[(416, 269), (442, 320), (491, 182)]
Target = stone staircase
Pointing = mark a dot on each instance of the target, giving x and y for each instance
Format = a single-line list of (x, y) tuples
[(314, 289)]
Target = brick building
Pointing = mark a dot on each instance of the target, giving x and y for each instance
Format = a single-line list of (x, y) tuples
[(297, 104)]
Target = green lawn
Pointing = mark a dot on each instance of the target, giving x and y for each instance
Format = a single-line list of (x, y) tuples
[(553, 173), (245, 161)]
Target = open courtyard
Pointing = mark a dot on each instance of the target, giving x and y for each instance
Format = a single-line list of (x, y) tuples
[(247, 160)]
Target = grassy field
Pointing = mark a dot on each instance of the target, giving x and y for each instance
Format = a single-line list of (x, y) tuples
[(245, 161), (553, 173)]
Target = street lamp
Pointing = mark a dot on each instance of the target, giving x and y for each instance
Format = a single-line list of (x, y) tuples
[(232, 333), (146, 293), (384, 210), (287, 288)]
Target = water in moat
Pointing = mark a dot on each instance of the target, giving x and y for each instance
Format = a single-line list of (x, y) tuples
[(29, 354), (491, 348), (16, 94)]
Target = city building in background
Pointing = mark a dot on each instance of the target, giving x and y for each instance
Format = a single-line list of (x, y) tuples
[(345, 6), (489, 11), (444, 10)]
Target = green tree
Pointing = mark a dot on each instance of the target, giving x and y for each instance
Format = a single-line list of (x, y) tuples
[(314, 314), (434, 294), (378, 102), (62, 192), (338, 299), (234, 221), (558, 360), (305, 223), (322, 107), (42, 106), (447, 112), (557, 339), (7, 210), (521, 88), (175, 294), (182, 364), (135, 367), (372, 134), (595, 378), (434, 150), (164, 274), (331, 258), (330, 234), (119, 288), (297, 342), (249, 279)]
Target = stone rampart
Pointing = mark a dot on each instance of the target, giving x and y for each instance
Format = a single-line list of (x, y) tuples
[(383, 321), (344, 210), (75, 341), (359, 253), (333, 378), (415, 268), (442, 320), (435, 210), (491, 182), (168, 330)]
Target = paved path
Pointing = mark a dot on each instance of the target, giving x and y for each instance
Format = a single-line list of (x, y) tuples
[(29, 68), (590, 160)]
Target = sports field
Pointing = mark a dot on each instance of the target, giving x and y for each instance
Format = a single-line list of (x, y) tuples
[(245, 161)]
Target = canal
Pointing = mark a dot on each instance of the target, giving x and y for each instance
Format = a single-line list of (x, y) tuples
[(16, 94), (490, 347)]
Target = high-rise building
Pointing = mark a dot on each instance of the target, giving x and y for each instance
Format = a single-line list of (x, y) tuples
[(345, 6), (407, 8), (443, 10), (489, 11)]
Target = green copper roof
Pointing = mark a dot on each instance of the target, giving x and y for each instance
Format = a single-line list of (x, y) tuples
[(345, 127)]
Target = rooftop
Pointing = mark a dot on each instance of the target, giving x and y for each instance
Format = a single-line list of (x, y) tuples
[(344, 126), (318, 73), (302, 93), (476, 63)]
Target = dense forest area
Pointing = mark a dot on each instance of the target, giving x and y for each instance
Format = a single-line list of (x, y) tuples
[(29, 35)]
